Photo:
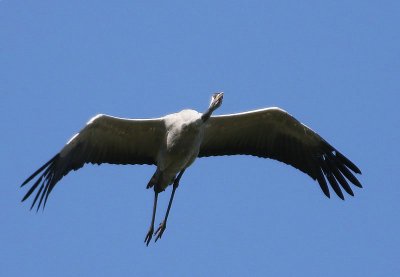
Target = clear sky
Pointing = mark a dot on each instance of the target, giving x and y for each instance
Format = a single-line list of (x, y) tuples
[(335, 65)]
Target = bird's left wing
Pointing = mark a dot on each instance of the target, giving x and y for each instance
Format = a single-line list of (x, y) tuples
[(273, 133), (105, 139)]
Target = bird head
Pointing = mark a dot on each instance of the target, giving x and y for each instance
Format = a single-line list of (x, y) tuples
[(216, 101)]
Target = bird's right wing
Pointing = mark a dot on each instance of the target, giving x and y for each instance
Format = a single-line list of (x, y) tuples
[(105, 139), (275, 134)]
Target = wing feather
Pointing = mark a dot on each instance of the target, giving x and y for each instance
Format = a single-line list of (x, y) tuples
[(105, 139), (275, 134)]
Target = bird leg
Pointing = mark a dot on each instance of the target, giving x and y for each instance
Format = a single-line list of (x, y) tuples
[(161, 228), (151, 229)]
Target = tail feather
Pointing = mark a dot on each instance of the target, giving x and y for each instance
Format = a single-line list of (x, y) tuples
[(155, 179)]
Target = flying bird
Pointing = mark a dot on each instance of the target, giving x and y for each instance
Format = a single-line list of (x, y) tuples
[(173, 143)]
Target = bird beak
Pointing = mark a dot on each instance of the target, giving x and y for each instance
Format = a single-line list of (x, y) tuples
[(219, 96)]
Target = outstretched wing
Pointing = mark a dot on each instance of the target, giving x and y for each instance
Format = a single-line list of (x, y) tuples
[(273, 133), (105, 139)]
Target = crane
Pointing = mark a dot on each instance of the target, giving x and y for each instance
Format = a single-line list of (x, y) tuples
[(173, 143)]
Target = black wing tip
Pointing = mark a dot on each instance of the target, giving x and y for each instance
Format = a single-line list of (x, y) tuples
[(335, 168), (46, 181), (24, 183), (322, 182), (347, 162), (39, 170), (327, 194)]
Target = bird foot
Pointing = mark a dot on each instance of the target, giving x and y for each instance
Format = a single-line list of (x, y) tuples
[(149, 236), (160, 230)]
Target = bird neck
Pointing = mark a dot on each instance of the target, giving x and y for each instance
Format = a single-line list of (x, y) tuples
[(207, 114)]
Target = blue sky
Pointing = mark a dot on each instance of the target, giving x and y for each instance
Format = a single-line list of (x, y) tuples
[(334, 65)]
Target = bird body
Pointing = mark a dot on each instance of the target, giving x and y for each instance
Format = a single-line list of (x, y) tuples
[(173, 142), (180, 146)]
